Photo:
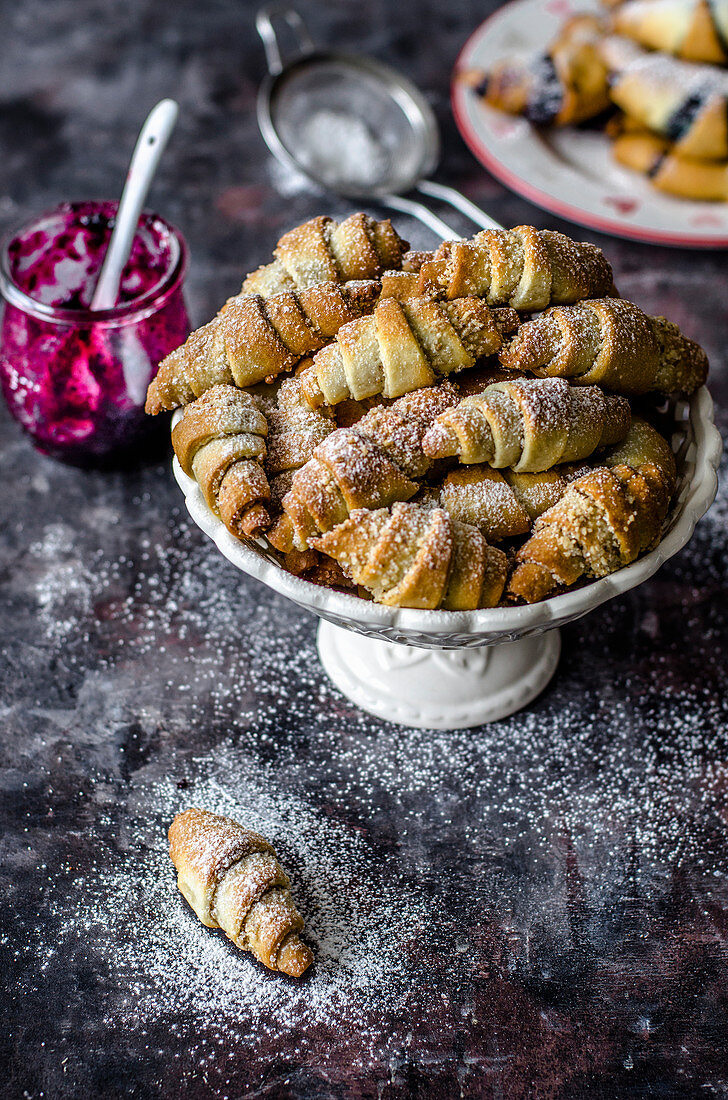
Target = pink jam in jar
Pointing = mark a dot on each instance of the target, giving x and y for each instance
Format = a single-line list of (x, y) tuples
[(76, 380)]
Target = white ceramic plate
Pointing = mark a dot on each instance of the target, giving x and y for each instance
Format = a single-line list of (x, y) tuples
[(569, 171)]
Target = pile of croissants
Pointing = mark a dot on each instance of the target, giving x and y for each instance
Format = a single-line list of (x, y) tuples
[(451, 429), (658, 65)]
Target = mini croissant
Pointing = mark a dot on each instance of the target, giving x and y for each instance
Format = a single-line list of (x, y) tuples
[(525, 268), (655, 157), (324, 251), (604, 520), (294, 428), (403, 347), (610, 342), (252, 339), (679, 100), (643, 444), (696, 30), (417, 557), (501, 504), (220, 441), (369, 465), (232, 879), (529, 424), (565, 84)]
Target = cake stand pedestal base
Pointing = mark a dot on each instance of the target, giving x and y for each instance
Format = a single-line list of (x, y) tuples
[(437, 688)]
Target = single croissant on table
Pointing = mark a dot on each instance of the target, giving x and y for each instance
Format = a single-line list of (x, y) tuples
[(500, 503), (529, 424), (604, 520), (524, 268), (417, 557), (369, 465), (252, 339), (220, 441), (404, 346), (610, 342), (232, 879), (324, 251)]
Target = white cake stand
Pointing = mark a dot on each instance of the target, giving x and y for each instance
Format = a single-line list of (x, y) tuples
[(455, 669)]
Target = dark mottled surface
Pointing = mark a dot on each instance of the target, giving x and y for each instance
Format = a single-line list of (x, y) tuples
[(553, 888)]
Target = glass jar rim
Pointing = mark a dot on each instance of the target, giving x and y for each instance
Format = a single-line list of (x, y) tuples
[(132, 310)]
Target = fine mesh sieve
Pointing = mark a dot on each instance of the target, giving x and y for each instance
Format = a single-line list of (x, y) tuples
[(352, 125)]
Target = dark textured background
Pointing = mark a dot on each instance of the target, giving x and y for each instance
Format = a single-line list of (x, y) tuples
[(578, 850)]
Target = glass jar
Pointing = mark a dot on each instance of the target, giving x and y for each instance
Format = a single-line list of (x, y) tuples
[(76, 379)]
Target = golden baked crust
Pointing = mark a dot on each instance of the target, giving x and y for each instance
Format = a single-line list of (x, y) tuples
[(294, 428), (686, 177), (389, 477), (566, 84), (370, 465), (417, 557), (684, 102), (220, 441), (253, 339), (676, 90), (604, 520), (232, 879), (528, 424), (696, 30), (323, 251), (525, 268), (405, 346), (611, 342), (502, 504)]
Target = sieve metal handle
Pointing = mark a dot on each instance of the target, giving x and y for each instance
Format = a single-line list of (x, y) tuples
[(454, 198), (264, 24), (422, 213)]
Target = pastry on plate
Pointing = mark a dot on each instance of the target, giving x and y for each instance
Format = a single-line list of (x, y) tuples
[(500, 503), (294, 428), (683, 102), (370, 465), (566, 84), (220, 441), (603, 521), (252, 339), (404, 346), (676, 91), (696, 30), (524, 268), (685, 177), (439, 421)]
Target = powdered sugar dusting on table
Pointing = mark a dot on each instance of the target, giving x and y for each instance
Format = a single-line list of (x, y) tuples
[(407, 850), (126, 909)]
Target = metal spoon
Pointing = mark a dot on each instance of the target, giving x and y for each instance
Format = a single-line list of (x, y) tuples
[(318, 107), (152, 139)]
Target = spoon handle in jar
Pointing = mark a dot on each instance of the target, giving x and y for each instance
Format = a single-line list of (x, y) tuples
[(150, 145)]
